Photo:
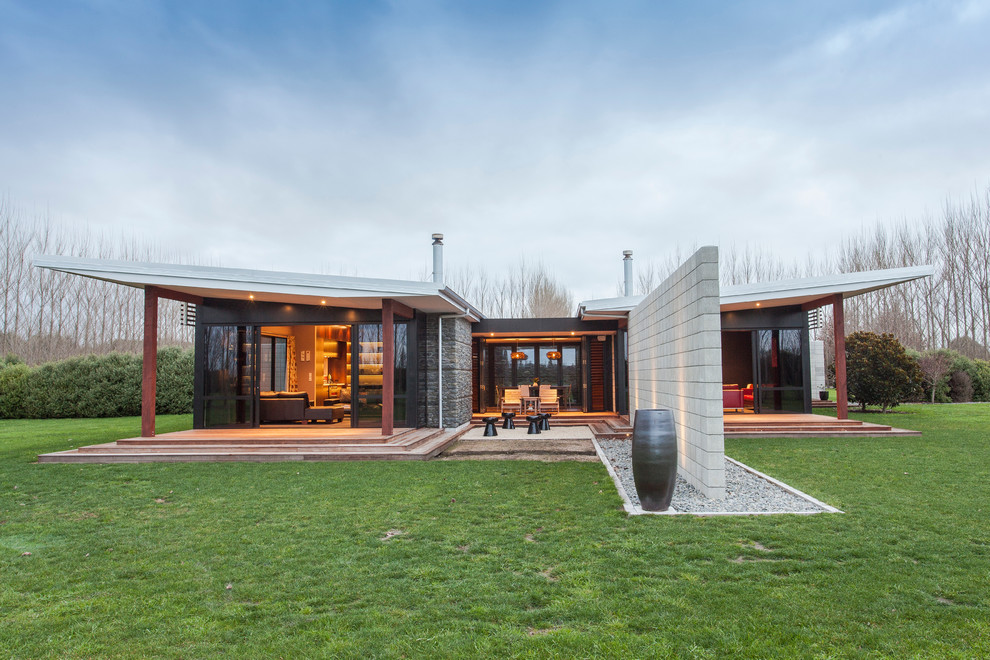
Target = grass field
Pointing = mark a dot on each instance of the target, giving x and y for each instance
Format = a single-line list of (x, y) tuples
[(482, 559)]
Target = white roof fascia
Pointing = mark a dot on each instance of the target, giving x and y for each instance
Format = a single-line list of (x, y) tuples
[(807, 289), (781, 292), (608, 307), (466, 309), (212, 280)]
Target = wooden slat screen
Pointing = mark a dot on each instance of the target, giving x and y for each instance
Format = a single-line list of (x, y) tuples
[(597, 360)]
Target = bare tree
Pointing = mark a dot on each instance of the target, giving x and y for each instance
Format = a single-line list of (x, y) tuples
[(934, 369), (524, 291), (48, 315)]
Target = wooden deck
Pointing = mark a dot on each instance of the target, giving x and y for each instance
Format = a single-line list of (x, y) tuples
[(314, 442), (321, 442), (739, 425), (795, 425)]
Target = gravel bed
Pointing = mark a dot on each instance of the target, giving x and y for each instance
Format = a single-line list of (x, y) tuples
[(745, 492)]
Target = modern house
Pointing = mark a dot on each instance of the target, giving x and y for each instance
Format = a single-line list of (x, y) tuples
[(401, 354)]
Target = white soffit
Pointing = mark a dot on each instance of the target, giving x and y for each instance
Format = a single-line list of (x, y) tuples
[(267, 286), (776, 294)]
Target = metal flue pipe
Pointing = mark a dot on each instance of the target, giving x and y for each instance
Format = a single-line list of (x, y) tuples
[(627, 268), (438, 258)]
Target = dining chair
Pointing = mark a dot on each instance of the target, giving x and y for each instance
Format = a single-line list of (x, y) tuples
[(548, 400), (511, 402)]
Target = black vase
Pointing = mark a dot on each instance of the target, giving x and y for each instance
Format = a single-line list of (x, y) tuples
[(654, 458)]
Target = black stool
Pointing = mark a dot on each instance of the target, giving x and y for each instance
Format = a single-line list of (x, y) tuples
[(507, 422), (490, 426), (534, 424), (544, 421)]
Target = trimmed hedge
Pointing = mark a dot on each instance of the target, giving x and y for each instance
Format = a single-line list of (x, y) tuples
[(94, 386)]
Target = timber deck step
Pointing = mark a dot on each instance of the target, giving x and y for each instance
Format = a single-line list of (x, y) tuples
[(413, 444), (197, 438)]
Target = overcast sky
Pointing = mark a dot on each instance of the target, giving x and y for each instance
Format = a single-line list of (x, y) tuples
[(336, 137)]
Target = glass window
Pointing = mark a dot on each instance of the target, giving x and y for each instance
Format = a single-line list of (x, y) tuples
[(273, 366), (549, 369), (501, 369), (400, 373), (229, 376), (780, 370), (370, 373), (570, 381), (526, 366)]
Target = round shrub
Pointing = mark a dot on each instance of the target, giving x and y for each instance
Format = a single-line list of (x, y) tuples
[(960, 387), (879, 370)]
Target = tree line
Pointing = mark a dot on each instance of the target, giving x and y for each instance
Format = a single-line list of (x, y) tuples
[(950, 310), (47, 316)]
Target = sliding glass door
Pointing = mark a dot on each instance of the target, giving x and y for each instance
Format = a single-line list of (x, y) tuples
[(229, 385), (370, 368), (779, 367), (534, 361)]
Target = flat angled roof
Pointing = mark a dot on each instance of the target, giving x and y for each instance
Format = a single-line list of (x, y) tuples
[(780, 293), (263, 285)]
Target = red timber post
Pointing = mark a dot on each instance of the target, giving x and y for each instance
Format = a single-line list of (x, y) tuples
[(388, 366), (149, 364), (841, 394)]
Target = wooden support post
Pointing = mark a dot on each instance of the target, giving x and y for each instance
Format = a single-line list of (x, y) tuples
[(149, 364), (388, 366), (841, 394)]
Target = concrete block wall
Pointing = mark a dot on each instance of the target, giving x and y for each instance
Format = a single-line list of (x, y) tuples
[(675, 362), (817, 351), (456, 372)]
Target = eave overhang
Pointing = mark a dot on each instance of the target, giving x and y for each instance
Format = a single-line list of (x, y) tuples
[(806, 292), (268, 286)]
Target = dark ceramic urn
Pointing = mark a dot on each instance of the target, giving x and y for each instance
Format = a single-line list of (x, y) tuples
[(654, 458)]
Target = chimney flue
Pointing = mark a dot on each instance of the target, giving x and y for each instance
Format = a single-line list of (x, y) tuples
[(627, 270), (438, 258)]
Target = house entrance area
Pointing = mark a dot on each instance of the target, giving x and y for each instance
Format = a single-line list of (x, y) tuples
[(262, 375), (564, 366), (509, 363)]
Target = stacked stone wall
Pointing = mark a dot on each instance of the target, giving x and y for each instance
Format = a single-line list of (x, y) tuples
[(456, 371)]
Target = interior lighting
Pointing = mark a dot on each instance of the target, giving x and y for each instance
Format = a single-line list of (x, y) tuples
[(323, 302), (518, 355), (251, 296), (553, 355)]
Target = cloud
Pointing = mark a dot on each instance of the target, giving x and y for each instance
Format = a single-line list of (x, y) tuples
[(973, 11), (557, 136), (869, 32)]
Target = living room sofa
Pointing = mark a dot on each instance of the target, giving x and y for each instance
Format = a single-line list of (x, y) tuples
[(294, 407)]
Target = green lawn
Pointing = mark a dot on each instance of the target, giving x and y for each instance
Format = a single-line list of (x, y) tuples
[(494, 558)]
